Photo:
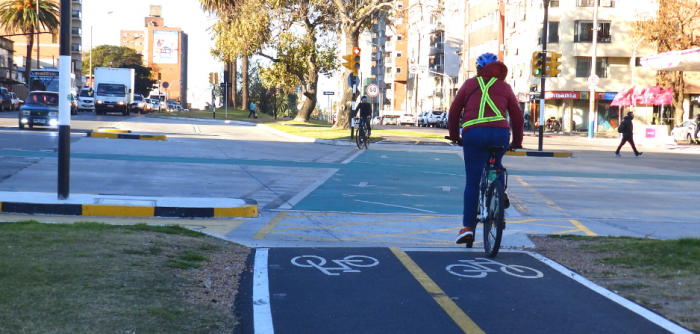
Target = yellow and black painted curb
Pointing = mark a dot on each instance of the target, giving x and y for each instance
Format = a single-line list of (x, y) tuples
[(541, 154), (250, 209), (111, 130), (94, 134)]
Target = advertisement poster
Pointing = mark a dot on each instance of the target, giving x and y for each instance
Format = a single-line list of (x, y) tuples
[(165, 47)]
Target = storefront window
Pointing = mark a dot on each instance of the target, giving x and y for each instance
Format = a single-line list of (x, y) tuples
[(608, 117), (580, 116)]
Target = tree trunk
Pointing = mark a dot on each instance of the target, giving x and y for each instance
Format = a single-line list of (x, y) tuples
[(308, 107), (678, 93), (28, 68), (234, 81), (244, 83), (351, 36)]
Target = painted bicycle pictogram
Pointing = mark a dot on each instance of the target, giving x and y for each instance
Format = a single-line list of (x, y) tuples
[(477, 269), (345, 265)]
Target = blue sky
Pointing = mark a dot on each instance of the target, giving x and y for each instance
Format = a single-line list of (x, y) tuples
[(129, 15)]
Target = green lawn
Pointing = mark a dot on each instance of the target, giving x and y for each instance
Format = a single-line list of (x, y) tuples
[(97, 278), (316, 130), (221, 113)]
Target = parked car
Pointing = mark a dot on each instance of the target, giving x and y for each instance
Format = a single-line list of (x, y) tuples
[(86, 100), (178, 107), (390, 119), (432, 118), (15, 101), (407, 119), (685, 132), (5, 99), (421, 118), (376, 121), (442, 121), (139, 104), (40, 108)]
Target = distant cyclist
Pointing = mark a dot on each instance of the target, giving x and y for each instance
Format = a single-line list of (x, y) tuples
[(484, 99), (365, 113)]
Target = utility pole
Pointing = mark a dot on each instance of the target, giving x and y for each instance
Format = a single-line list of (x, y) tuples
[(38, 64), (93, 79), (545, 25), (591, 94), (64, 90)]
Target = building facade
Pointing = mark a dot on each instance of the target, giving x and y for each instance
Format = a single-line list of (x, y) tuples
[(484, 26)]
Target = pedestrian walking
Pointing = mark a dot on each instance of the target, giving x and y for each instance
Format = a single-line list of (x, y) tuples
[(252, 110), (627, 130)]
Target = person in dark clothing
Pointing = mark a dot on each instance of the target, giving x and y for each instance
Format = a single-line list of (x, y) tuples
[(627, 135), (365, 113), (252, 110), (697, 126)]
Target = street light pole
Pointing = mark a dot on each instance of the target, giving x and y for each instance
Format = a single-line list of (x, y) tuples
[(591, 97), (381, 97), (38, 36), (64, 91), (634, 59), (544, 40)]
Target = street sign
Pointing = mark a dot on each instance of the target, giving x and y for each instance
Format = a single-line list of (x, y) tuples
[(373, 90), (413, 68), (593, 80), (328, 93), (225, 84), (165, 84)]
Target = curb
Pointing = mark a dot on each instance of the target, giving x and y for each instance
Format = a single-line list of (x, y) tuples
[(250, 209), (541, 154), (111, 130), (94, 134)]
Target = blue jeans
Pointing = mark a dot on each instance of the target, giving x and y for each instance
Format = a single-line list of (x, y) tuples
[(476, 142)]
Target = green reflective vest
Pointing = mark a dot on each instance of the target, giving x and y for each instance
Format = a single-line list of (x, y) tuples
[(485, 98)]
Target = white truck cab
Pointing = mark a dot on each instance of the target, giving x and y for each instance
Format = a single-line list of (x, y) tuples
[(113, 90)]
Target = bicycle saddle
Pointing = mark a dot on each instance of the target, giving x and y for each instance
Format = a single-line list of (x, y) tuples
[(495, 149)]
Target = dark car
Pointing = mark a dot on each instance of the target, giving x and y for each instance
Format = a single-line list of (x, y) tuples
[(40, 108), (139, 103)]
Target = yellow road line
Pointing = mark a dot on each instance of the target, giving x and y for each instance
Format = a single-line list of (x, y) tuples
[(269, 226), (459, 317), (537, 193), (582, 228)]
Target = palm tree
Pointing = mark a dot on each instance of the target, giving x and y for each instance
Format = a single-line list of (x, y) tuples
[(21, 16)]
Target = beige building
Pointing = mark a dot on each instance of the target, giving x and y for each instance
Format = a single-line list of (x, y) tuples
[(570, 34), (484, 23)]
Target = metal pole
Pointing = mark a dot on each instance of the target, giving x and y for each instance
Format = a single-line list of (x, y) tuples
[(634, 60), (591, 97), (38, 64), (64, 85), (352, 108), (416, 76), (93, 79), (544, 68), (226, 100)]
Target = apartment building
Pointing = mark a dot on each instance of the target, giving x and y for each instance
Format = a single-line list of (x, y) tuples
[(435, 38), (484, 26), (47, 46), (570, 33), (163, 48)]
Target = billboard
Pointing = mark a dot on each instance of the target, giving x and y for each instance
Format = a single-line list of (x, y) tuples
[(165, 47)]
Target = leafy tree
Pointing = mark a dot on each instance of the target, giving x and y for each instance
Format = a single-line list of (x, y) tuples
[(674, 26), (122, 57), (21, 16)]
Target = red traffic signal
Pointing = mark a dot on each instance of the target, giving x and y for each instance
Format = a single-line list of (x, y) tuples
[(356, 51)]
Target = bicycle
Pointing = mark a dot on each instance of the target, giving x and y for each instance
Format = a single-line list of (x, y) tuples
[(490, 209), (362, 137)]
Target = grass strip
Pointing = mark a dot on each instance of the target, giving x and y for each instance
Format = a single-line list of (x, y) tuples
[(97, 278)]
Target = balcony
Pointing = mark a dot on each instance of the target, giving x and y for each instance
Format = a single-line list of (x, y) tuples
[(76, 31), (437, 48), (389, 77), (437, 27), (76, 48), (77, 15), (389, 61), (438, 92), (439, 68), (389, 46)]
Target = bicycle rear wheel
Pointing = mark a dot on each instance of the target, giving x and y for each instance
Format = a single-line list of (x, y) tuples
[(366, 140), (493, 224), (358, 139)]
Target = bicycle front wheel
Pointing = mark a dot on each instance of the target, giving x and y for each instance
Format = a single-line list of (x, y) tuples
[(366, 140), (358, 139), (493, 224)]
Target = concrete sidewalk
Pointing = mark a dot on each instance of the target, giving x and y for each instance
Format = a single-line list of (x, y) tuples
[(126, 206)]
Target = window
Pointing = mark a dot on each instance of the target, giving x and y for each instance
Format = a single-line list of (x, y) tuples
[(398, 54), (552, 33), (124, 43), (125, 35), (638, 62), (591, 3), (583, 67), (398, 70), (141, 35), (584, 31), (399, 38)]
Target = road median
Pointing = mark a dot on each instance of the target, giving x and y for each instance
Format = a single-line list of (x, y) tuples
[(118, 135)]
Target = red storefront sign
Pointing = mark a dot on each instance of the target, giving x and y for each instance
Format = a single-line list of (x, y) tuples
[(561, 95)]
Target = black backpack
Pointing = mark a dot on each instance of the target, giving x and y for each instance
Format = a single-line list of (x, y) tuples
[(622, 127)]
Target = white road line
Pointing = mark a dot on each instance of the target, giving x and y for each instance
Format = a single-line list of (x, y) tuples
[(262, 314), (302, 194), (444, 174), (397, 206), (196, 129), (352, 157), (643, 312)]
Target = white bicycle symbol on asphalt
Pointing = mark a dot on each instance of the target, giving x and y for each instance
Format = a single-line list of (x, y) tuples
[(344, 265), (474, 269)]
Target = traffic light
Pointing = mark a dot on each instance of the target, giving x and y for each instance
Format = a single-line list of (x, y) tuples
[(216, 78), (158, 77), (211, 78), (538, 58), (353, 61), (554, 63)]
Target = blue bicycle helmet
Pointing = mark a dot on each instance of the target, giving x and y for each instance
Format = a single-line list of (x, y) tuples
[(485, 59)]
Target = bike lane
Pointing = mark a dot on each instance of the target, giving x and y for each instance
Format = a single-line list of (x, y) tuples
[(390, 290)]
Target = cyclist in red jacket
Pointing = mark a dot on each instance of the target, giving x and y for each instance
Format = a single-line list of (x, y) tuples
[(485, 99)]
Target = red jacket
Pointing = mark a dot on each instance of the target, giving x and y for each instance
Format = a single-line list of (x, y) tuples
[(501, 94)]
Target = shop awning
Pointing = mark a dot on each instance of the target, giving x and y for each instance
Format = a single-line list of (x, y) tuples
[(684, 60), (634, 95)]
